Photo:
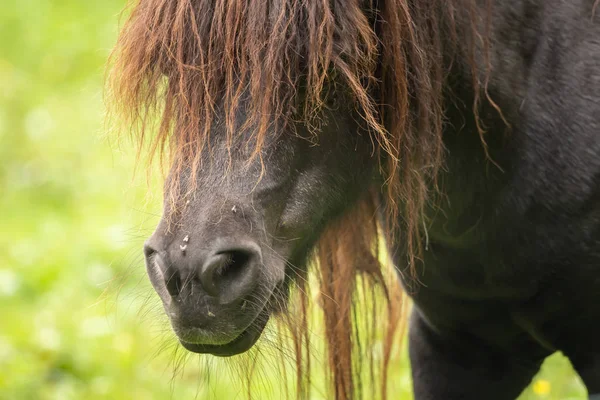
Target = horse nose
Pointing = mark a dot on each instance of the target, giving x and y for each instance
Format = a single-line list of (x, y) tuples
[(228, 273)]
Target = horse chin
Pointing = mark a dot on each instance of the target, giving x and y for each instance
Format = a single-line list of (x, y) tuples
[(242, 343)]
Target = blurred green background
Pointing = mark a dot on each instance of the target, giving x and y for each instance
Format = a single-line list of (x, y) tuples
[(78, 318)]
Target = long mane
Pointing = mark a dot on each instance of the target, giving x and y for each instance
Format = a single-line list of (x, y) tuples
[(177, 61)]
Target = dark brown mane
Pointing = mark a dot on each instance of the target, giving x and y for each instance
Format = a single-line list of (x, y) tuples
[(178, 60)]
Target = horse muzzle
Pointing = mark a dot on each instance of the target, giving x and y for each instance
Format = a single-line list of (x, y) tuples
[(216, 296)]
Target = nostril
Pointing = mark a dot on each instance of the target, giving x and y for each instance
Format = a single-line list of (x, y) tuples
[(230, 274), (173, 282), (148, 251), (235, 265), (211, 271), (170, 275)]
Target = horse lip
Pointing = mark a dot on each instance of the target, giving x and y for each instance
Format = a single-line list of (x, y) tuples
[(240, 344)]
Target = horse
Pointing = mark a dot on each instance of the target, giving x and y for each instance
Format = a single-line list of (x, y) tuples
[(461, 135)]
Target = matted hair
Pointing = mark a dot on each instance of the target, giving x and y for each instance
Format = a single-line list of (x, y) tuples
[(177, 61)]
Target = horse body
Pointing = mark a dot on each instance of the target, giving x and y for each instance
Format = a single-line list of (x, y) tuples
[(511, 239), (511, 270)]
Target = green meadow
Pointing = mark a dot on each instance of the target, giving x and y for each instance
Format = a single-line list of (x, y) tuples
[(78, 318)]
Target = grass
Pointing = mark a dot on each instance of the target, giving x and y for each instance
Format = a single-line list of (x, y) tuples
[(78, 318)]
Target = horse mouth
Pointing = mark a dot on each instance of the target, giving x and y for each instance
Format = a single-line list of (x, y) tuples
[(242, 343)]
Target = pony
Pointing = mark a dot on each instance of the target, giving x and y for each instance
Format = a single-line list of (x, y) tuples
[(460, 135)]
